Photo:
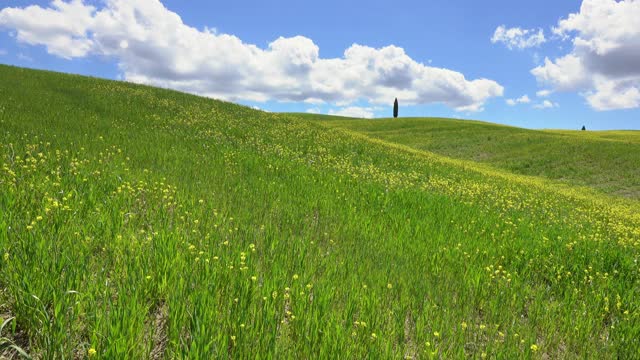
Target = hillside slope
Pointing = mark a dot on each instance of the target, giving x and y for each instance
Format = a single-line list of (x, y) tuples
[(144, 223), (607, 161)]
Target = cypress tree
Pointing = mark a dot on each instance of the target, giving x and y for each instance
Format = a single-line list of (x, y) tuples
[(395, 108), (583, 128)]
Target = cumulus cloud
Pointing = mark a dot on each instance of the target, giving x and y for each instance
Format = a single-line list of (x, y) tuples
[(366, 112), (565, 73), (524, 99), (547, 104), (543, 93), (517, 38), (153, 46), (62, 27), (354, 111), (604, 63), (614, 94)]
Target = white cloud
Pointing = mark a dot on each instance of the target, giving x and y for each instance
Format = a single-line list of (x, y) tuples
[(63, 26), (3, 52), (546, 104), (614, 94), (517, 38), (153, 46), (565, 73), (524, 99), (314, 110), (604, 64), (543, 93), (354, 111)]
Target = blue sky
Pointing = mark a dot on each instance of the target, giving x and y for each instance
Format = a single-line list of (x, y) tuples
[(465, 59)]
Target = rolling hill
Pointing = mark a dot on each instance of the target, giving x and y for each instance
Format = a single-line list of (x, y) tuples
[(138, 222), (607, 161)]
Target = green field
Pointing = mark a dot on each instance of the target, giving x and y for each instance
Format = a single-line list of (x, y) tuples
[(608, 161), (138, 223)]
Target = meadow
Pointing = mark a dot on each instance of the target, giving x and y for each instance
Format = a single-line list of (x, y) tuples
[(607, 161), (138, 222)]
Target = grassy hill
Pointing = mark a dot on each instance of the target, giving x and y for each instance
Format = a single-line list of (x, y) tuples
[(144, 223), (608, 161)]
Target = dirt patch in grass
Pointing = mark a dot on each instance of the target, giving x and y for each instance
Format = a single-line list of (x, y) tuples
[(160, 338)]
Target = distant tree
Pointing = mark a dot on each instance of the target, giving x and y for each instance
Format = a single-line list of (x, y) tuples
[(395, 108), (583, 128)]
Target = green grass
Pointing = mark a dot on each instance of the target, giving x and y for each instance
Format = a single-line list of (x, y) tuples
[(138, 222), (604, 160)]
